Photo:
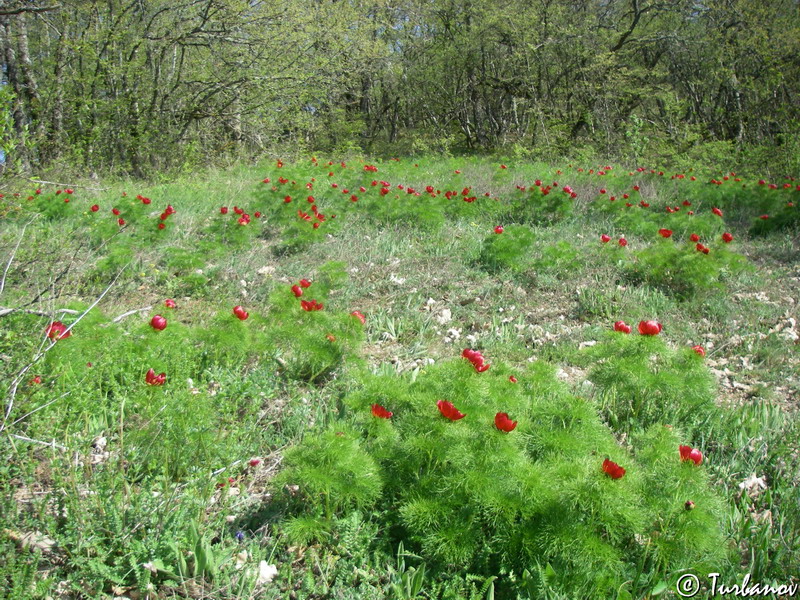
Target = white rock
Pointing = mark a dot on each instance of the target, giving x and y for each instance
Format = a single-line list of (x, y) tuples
[(266, 573), (444, 317)]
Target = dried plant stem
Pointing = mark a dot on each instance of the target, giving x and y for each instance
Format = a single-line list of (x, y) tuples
[(45, 349)]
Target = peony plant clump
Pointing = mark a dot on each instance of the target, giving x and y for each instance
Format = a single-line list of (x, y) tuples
[(481, 475)]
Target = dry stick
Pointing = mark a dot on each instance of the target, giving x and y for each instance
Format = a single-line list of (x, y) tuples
[(40, 313), (70, 185), (127, 314), (13, 254), (45, 405), (15, 383), (52, 444)]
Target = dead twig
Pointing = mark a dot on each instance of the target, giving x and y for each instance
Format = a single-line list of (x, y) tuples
[(13, 254), (129, 313), (52, 444), (41, 313), (69, 185), (44, 350)]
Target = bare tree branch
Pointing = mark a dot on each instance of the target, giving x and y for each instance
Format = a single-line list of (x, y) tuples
[(7, 12), (42, 351), (131, 312), (13, 254), (41, 313)]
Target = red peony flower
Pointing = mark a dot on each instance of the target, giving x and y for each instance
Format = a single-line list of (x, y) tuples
[(623, 242), (161, 226), (701, 248), (158, 323), (694, 237), (254, 462), (665, 233), (380, 412), (121, 222), (359, 316), (512, 379), (223, 210), (503, 423), (305, 283), (692, 454), (35, 381), (310, 306), (297, 291), (613, 469), (498, 229), (699, 350), (169, 303), (240, 313), (449, 411), (716, 211), (649, 327), (57, 331), (605, 238), (115, 211), (727, 237), (152, 379), (95, 208), (622, 327)]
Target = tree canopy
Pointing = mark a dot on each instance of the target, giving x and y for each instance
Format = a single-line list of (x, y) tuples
[(141, 85)]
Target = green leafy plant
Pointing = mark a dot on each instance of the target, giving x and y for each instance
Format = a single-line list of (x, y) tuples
[(642, 381), (682, 270), (508, 250), (470, 496)]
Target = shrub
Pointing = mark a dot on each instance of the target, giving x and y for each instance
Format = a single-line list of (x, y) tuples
[(508, 250), (535, 207), (683, 271), (641, 381), (477, 499)]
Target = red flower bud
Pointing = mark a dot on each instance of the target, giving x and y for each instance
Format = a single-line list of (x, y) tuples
[(381, 412), (503, 423), (449, 411), (649, 327), (613, 469)]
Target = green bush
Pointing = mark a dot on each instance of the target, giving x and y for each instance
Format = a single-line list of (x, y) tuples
[(476, 499), (535, 207), (508, 250), (641, 381), (678, 268)]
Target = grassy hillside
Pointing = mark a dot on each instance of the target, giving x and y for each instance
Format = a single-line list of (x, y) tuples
[(292, 307)]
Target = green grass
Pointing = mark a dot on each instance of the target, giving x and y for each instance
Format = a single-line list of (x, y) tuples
[(112, 486)]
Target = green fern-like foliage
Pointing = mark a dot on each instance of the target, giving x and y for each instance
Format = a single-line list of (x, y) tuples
[(678, 268), (508, 250), (641, 381), (311, 345), (473, 498), (332, 472), (534, 207)]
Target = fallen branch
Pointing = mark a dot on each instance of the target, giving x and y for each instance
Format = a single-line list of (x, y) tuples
[(13, 254), (129, 313), (69, 185), (41, 313), (52, 444), (44, 350)]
